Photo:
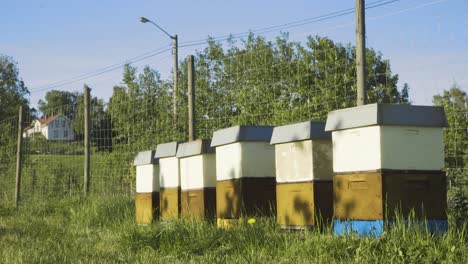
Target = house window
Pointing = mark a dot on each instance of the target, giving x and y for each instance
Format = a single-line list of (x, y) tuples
[(63, 123), (56, 133), (65, 133)]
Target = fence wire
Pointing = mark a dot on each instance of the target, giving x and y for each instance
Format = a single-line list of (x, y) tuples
[(255, 83), (8, 145)]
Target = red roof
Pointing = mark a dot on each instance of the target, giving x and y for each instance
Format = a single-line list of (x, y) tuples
[(46, 120), (43, 121)]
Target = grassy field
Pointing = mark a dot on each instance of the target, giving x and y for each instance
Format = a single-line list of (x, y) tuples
[(59, 175), (102, 230)]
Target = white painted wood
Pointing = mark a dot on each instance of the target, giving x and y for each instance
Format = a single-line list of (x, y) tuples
[(209, 170), (228, 161), (258, 159), (294, 161), (322, 150), (197, 172), (356, 149), (169, 172), (191, 172), (305, 160), (245, 159), (388, 147), (60, 128), (147, 178), (412, 148)]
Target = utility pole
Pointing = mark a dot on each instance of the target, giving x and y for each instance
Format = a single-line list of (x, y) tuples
[(191, 98), (87, 129), (19, 149), (175, 50), (176, 70), (361, 52)]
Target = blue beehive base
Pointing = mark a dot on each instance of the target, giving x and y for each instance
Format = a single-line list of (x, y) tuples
[(375, 228)]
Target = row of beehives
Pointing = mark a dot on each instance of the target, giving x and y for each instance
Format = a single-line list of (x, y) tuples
[(358, 167)]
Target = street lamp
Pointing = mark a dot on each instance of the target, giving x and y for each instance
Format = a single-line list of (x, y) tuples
[(176, 66)]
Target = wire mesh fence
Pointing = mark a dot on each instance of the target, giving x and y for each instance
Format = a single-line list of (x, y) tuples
[(258, 82), (53, 153), (8, 144)]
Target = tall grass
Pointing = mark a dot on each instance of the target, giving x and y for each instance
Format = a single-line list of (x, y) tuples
[(102, 230)]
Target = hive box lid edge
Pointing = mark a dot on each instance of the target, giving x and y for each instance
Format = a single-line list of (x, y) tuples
[(145, 158), (166, 150), (196, 147), (386, 114), (241, 133), (300, 131)]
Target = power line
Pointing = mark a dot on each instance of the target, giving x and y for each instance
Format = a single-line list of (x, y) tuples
[(297, 23), (149, 54), (94, 74)]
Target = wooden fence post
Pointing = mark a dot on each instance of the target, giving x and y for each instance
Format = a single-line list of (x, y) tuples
[(19, 160), (87, 106), (191, 98)]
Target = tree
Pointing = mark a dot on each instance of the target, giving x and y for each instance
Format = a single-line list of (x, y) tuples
[(59, 102), (13, 91), (277, 82), (13, 94), (140, 110), (455, 103)]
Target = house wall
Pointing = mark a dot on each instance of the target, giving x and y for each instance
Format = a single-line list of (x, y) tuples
[(55, 129)]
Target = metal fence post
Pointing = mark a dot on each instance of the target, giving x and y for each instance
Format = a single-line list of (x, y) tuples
[(19, 149), (87, 104)]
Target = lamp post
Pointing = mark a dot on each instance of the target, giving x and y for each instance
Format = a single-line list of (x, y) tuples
[(176, 66)]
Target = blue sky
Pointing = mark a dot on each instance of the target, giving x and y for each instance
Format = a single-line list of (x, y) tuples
[(426, 41)]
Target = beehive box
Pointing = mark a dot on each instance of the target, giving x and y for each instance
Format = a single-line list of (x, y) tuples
[(147, 187), (387, 157), (303, 174), (169, 180), (245, 172), (198, 179)]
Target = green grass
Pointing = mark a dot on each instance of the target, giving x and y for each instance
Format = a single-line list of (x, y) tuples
[(46, 176), (102, 230)]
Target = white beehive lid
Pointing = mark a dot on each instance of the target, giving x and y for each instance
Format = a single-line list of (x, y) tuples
[(387, 136), (196, 147), (386, 115), (145, 158), (166, 150), (241, 133), (299, 131)]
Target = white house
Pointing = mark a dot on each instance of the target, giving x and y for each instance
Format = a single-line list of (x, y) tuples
[(56, 127)]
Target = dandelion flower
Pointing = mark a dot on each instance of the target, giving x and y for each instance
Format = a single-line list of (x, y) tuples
[(251, 221)]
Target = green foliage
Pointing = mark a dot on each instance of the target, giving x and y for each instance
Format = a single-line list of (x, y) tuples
[(101, 229), (141, 111), (59, 102), (8, 144), (13, 91), (71, 105), (455, 103), (256, 82), (54, 175), (37, 144), (273, 83)]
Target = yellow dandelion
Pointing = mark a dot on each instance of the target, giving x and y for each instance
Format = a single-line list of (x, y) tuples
[(251, 221)]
